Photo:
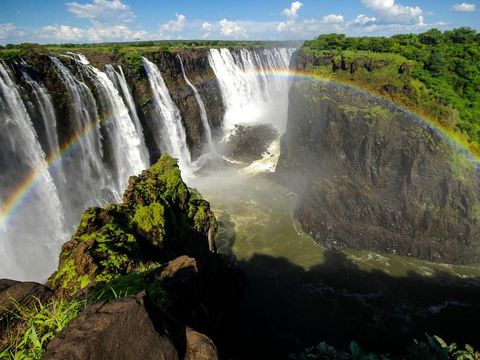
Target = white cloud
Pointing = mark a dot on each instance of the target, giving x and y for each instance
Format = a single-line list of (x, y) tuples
[(232, 29), (207, 26), (363, 19), (391, 12), (174, 26), (102, 11), (463, 7), (333, 19), (6, 30), (291, 13), (62, 32)]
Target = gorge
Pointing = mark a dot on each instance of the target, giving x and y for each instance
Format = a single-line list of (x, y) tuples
[(336, 205)]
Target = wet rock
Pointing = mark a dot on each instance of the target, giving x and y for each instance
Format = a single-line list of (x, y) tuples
[(120, 329), (371, 176), (248, 143)]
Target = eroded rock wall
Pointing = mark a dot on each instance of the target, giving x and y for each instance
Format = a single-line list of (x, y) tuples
[(371, 176)]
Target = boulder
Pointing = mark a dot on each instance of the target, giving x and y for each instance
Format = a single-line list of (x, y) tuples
[(249, 143), (120, 329), (200, 347)]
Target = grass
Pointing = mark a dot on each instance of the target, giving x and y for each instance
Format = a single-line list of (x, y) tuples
[(34, 326)]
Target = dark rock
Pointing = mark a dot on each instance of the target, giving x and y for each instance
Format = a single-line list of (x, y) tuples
[(247, 144), (120, 329), (200, 347), (372, 176)]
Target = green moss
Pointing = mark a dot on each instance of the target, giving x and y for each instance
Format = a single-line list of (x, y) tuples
[(67, 275), (151, 220), (169, 174)]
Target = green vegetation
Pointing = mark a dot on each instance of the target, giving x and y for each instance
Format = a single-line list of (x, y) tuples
[(436, 74), (134, 62), (140, 47), (151, 219), (34, 326), (432, 349)]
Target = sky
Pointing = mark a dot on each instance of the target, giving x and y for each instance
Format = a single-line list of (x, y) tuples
[(86, 21)]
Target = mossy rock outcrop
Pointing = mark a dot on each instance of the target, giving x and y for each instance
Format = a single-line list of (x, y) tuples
[(160, 218)]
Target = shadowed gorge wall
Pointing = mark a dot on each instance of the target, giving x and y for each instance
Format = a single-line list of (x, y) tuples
[(371, 176)]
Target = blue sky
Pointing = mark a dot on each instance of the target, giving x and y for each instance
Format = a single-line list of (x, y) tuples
[(54, 21)]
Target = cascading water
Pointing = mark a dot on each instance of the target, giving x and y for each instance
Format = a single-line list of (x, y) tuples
[(253, 84), (118, 78), (201, 106), (126, 150), (44, 107), (30, 240), (88, 181), (168, 129)]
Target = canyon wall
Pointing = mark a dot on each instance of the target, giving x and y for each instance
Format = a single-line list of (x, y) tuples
[(372, 176)]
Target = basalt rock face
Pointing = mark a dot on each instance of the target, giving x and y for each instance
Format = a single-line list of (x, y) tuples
[(372, 176)]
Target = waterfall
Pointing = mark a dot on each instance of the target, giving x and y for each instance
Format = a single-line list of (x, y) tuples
[(201, 106), (84, 163), (127, 152), (44, 106), (254, 85), (29, 241), (168, 129), (119, 79)]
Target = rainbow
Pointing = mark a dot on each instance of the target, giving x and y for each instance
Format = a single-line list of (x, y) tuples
[(20, 194)]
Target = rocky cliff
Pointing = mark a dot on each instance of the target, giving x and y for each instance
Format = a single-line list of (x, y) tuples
[(371, 176)]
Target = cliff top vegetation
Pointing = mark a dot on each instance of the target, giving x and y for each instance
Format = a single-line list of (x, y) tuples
[(434, 73)]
